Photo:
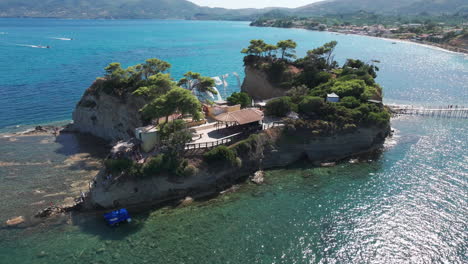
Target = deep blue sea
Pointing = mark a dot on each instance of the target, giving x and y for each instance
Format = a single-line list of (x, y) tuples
[(407, 206)]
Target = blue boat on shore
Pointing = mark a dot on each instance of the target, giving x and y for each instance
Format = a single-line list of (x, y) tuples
[(118, 216)]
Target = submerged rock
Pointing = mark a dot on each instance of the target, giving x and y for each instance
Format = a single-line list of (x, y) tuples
[(15, 221), (328, 164), (234, 188), (259, 177), (42, 254), (187, 201), (49, 211)]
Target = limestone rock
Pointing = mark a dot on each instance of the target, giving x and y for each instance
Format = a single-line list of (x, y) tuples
[(187, 201), (257, 85), (107, 116), (328, 164), (259, 177), (15, 221)]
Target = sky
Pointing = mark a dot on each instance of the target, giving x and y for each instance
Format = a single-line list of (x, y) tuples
[(253, 3)]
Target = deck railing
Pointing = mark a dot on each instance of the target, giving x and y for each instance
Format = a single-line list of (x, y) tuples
[(453, 111)]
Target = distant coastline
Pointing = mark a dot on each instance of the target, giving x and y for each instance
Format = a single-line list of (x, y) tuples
[(433, 45)]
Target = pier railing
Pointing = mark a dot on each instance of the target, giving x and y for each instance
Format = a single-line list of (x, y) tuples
[(452, 111), (209, 145)]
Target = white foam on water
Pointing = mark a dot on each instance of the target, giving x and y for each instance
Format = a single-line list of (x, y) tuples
[(32, 46), (61, 38), (218, 94)]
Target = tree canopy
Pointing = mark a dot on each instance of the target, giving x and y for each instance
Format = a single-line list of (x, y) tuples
[(177, 100), (258, 47), (195, 82), (325, 53), (287, 48), (154, 66), (241, 98), (156, 85)]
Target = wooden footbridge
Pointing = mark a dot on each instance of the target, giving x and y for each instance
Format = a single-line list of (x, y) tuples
[(451, 111)]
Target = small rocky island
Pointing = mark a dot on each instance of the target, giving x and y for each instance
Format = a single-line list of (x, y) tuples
[(173, 140)]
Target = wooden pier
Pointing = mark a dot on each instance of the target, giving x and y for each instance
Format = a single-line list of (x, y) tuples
[(452, 111)]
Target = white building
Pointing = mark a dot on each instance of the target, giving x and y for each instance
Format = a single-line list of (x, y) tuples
[(148, 136), (333, 98)]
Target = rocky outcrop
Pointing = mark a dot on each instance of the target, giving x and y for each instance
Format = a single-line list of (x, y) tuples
[(271, 149), (107, 116), (324, 148), (257, 85)]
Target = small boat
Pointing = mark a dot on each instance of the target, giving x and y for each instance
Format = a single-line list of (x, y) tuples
[(393, 42), (116, 217)]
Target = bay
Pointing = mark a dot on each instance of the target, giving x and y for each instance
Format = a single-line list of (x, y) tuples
[(406, 206)]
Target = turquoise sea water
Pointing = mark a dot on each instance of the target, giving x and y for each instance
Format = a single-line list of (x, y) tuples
[(407, 206)]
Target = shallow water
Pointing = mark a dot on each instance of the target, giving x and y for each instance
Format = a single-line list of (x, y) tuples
[(42, 170), (408, 206)]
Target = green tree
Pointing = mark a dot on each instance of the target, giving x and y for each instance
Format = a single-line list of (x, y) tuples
[(270, 50), (221, 154), (156, 85), (280, 107), (114, 71), (287, 48), (241, 98), (311, 105), (257, 47), (176, 100), (166, 129), (297, 93), (193, 81), (325, 52), (154, 66)]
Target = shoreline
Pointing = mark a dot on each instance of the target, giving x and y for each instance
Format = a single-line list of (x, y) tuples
[(434, 46)]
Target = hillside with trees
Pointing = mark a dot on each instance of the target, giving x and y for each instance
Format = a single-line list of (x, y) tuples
[(117, 9), (183, 9), (394, 7)]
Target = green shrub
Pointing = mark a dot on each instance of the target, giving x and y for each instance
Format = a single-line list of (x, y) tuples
[(246, 145), (241, 98), (154, 166), (118, 165), (297, 93), (311, 105), (349, 88), (280, 107), (379, 118), (350, 102), (220, 154), (369, 92), (189, 170)]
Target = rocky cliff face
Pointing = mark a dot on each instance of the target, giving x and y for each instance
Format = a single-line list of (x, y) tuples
[(257, 85), (107, 116), (271, 149), (326, 148)]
